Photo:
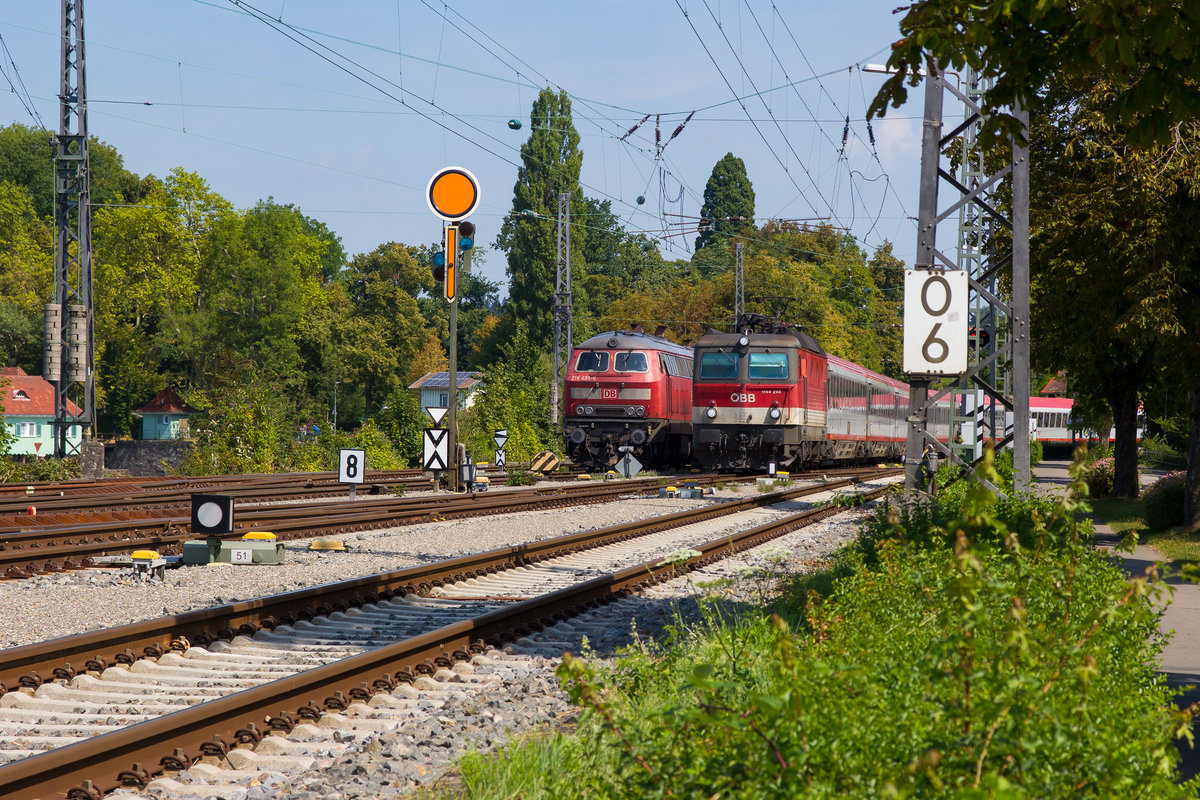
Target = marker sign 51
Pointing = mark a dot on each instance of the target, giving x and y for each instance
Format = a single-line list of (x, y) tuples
[(935, 322)]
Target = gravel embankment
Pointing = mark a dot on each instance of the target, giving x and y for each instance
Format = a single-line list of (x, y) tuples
[(61, 605), (470, 712)]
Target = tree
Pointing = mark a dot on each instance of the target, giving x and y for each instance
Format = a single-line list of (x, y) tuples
[(26, 275), (728, 208), (550, 164), (1024, 45)]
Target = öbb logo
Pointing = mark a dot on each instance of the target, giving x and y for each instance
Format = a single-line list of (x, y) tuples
[(741, 398)]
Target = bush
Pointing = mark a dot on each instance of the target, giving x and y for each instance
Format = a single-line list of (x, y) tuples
[(1100, 476), (1157, 452), (942, 664), (1163, 501)]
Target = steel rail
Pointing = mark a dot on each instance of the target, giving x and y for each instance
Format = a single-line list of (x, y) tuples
[(31, 665), (37, 551), (87, 770)]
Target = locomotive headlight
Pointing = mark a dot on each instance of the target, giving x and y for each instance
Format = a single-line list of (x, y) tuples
[(641, 411), (745, 340), (587, 410), (711, 412), (774, 412), (631, 411)]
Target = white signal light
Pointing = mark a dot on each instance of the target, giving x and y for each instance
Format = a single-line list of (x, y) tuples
[(711, 412), (774, 412), (745, 340)]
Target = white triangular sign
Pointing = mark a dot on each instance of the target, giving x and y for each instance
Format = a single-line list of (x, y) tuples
[(500, 437), (437, 413)]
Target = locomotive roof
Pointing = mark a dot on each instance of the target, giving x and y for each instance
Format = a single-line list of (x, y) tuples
[(805, 342), (632, 340)]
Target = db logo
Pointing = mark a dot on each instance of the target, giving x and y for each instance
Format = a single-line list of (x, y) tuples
[(741, 398), (608, 394)]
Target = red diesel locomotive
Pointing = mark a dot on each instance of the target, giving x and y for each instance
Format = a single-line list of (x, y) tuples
[(770, 393), (629, 389)]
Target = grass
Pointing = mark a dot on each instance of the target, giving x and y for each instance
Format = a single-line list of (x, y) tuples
[(1180, 544)]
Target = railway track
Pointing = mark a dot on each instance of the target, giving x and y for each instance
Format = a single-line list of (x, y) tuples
[(77, 541), (384, 631)]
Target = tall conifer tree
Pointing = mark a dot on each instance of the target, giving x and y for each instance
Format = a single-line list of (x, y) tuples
[(727, 194), (550, 163)]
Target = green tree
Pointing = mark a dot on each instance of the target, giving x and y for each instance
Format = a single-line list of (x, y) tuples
[(6, 434), (728, 208), (550, 164), (26, 276), (1024, 45)]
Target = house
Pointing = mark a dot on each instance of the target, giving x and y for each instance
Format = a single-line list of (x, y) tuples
[(165, 417), (29, 414), (435, 389), (1056, 386)]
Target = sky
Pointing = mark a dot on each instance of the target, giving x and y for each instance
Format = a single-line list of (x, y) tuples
[(347, 109)]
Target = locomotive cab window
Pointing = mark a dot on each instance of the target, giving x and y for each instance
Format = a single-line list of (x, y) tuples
[(767, 367), (631, 362), (592, 361), (718, 365)]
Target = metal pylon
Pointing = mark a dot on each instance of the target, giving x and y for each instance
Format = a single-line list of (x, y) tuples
[(69, 357), (975, 193), (563, 341)]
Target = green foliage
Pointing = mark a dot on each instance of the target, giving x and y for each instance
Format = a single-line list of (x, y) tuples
[(40, 469), (1163, 501), (403, 420), (978, 650), (1100, 477), (6, 434), (1022, 45), (243, 426), (515, 397), (727, 194), (1158, 452)]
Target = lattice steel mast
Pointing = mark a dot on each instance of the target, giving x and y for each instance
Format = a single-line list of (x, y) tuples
[(563, 341), (69, 360)]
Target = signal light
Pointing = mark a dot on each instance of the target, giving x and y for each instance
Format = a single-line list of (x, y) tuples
[(451, 255), (982, 336), (439, 266)]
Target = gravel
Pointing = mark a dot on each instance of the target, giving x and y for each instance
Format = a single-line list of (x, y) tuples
[(477, 707), (53, 606)]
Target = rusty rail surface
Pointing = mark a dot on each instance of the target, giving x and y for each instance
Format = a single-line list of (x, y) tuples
[(26, 552), (133, 756)]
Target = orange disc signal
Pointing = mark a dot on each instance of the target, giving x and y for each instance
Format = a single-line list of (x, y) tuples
[(452, 193)]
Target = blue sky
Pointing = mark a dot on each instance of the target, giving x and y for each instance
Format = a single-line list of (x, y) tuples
[(258, 114)]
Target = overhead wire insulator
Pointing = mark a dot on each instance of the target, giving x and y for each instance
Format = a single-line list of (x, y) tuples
[(845, 134), (680, 128), (629, 132)]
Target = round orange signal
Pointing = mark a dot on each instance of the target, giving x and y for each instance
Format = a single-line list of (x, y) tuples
[(452, 193)]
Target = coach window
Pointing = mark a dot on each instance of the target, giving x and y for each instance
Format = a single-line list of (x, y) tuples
[(592, 361), (631, 362), (767, 367), (718, 366)]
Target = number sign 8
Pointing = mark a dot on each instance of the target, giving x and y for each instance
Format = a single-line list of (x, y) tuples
[(352, 464)]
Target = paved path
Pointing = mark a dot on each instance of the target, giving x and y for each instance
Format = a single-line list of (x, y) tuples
[(1180, 659)]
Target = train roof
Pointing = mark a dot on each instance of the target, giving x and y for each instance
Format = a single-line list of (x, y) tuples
[(633, 340), (861, 371), (719, 339)]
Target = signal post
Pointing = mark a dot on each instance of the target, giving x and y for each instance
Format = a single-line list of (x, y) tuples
[(452, 194)]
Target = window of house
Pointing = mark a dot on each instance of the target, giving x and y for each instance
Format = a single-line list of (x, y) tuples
[(715, 366), (444, 400), (592, 361), (166, 420), (28, 429), (20, 394), (631, 362)]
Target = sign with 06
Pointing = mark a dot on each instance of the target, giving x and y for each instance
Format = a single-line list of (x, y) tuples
[(935, 322)]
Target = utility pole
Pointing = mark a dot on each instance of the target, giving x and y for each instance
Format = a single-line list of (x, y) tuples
[(739, 286), (1010, 341), (69, 360), (563, 341)]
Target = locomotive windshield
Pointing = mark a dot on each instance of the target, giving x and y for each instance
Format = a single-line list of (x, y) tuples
[(718, 365), (631, 362), (767, 366), (592, 361)]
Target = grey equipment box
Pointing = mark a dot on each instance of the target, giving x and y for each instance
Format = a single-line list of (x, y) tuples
[(257, 547)]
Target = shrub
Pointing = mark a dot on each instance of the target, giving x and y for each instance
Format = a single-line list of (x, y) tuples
[(1163, 501), (1100, 476), (1158, 452)]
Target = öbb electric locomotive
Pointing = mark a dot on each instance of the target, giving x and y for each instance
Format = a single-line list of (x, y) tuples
[(629, 389), (770, 393)]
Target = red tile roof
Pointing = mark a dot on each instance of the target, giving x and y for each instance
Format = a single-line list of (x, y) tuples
[(29, 395), (166, 402)]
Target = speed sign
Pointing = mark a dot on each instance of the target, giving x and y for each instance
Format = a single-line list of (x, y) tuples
[(935, 322)]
